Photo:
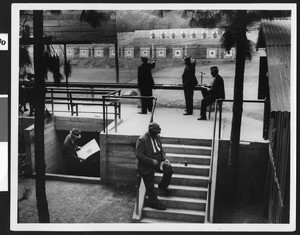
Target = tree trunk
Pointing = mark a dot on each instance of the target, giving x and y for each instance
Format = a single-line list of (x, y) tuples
[(39, 104), (233, 160)]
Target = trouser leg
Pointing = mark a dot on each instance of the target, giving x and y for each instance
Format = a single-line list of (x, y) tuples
[(204, 103), (149, 184), (203, 108), (144, 102), (190, 95), (149, 101), (167, 174)]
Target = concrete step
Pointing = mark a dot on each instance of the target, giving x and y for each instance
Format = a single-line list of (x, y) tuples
[(190, 216), (190, 169), (185, 191), (187, 149), (183, 203), (186, 141), (164, 221), (189, 158), (187, 180)]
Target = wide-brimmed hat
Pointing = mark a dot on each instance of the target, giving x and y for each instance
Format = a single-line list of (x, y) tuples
[(153, 126), (76, 133)]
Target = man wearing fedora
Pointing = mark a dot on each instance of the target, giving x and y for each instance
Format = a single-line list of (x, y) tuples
[(152, 158), (213, 92), (189, 81), (146, 83), (69, 152)]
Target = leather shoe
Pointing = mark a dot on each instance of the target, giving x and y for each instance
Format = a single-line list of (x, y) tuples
[(188, 114), (158, 206), (142, 113), (202, 118)]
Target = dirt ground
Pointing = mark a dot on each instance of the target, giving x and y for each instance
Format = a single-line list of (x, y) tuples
[(71, 202)]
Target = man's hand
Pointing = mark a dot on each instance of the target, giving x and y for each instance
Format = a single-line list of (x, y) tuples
[(155, 162)]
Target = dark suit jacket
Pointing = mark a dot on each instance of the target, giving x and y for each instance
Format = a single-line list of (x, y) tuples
[(188, 77), (217, 89), (145, 79), (145, 154), (69, 149)]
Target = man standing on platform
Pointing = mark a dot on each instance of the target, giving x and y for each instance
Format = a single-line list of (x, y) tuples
[(146, 83), (151, 157), (189, 82), (69, 152), (213, 92)]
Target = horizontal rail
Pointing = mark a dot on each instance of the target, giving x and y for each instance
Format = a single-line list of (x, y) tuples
[(111, 85), (247, 101)]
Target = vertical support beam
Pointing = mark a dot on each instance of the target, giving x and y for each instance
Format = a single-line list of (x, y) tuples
[(67, 81), (117, 61), (103, 158), (220, 103), (104, 116)]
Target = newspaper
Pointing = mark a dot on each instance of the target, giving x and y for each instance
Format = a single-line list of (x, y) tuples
[(88, 149)]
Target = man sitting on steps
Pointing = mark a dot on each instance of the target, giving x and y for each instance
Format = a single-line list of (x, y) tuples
[(151, 157)]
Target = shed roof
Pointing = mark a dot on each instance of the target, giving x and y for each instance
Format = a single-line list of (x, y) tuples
[(275, 36)]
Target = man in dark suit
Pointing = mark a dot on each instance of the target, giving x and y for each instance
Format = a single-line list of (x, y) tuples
[(210, 94), (189, 82), (69, 152), (146, 83), (151, 157)]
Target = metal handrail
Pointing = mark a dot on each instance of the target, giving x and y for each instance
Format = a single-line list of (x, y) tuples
[(220, 103), (116, 98), (212, 158)]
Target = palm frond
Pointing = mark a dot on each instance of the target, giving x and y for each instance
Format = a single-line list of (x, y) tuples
[(193, 23), (94, 18), (160, 13), (24, 58)]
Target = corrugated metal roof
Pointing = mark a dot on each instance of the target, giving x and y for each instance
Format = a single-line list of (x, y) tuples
[(276, 35), (277, 32)]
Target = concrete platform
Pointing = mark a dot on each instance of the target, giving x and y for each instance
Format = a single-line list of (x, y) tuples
[(173, 123)]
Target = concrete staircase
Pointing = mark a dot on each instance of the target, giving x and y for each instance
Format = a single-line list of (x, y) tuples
[(187, 202)]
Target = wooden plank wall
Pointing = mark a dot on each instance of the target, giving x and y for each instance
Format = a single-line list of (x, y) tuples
[(53, 155), (55, 163), (117, 159), (54, 160), (29, 147), (83, 123)]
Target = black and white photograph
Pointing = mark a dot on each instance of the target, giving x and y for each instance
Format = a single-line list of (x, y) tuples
[(153, 117)]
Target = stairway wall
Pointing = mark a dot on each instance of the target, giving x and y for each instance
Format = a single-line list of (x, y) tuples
[(251, 176), (117, 159)]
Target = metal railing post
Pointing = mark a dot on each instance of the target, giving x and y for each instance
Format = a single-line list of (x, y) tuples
[(104, 121), (220, 103), (115, 106), (153, 109), (52, 100)]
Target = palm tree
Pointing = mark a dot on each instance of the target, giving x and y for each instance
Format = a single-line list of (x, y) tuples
[(39, 88), (235, 36)]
